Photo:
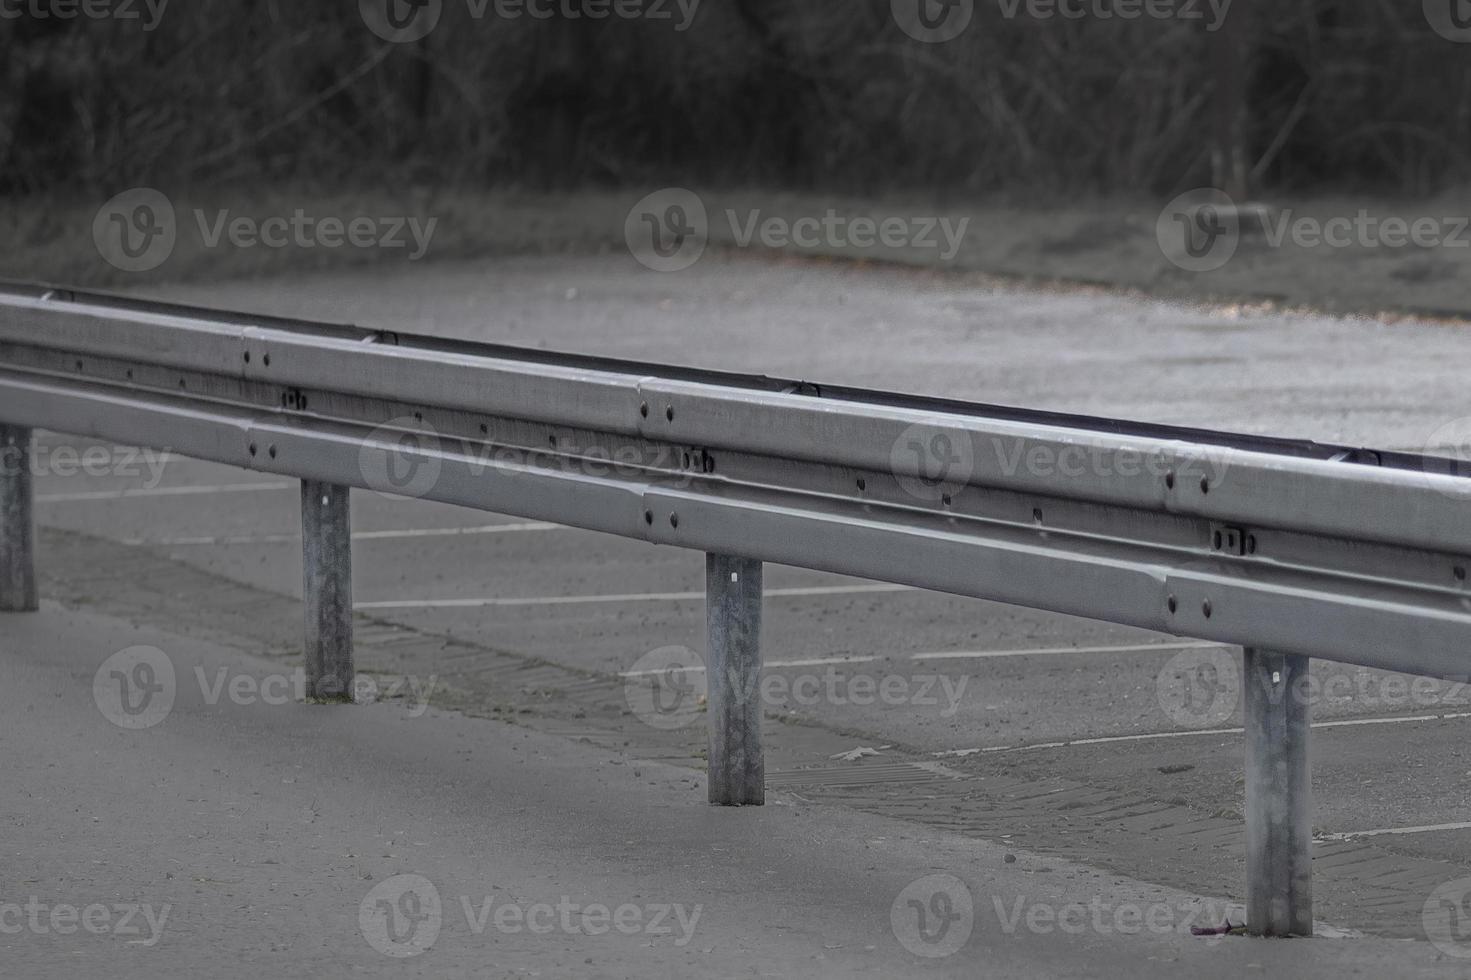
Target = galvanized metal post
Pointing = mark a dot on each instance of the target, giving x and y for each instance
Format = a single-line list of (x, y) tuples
[(733, 673), (17, 525), (327, 565), (1279, 809)]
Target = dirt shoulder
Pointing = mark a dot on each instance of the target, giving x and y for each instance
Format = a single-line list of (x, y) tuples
[(1376, 257)]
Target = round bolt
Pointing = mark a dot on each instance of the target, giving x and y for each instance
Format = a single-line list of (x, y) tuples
[(271, 452), (644, 409), (252, 449), (1170, 480), (862, 484), (669, 413), (674, 520), (1206, 608), (649, 517), (1174, 605), (1205, 485)]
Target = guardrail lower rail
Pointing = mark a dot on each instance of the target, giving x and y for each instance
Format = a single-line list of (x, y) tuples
[(1289, 549)]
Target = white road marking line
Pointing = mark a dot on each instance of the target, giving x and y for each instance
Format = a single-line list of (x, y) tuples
[(1058, 651), (580, 600), (131, 492), (980, 654), (1153, 736), (774, 664), (1397, 831), (432, 532)]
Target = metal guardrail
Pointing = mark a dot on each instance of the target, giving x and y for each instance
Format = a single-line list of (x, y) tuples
[(1276, 545)]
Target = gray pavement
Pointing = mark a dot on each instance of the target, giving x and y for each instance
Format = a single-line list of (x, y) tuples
[(1074, 745), (245, 839)]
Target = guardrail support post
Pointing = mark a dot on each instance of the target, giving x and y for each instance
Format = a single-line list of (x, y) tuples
[(17, 525), (1279, 835), (327, 564), (733, 674)]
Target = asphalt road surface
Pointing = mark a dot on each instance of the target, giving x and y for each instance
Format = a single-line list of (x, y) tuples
[(912, 734)]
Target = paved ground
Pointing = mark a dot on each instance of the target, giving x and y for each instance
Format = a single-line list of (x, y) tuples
[(237, 839), (535, 625)]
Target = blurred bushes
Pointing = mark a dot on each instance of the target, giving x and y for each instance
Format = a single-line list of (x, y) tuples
[(825, 94)]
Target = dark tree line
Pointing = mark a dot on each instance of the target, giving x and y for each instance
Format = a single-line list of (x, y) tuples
[(818, 94)]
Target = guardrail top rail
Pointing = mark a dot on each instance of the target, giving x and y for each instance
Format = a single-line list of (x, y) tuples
[(1337, 552)]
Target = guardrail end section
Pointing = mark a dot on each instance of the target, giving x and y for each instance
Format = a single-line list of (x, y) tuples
[(326, 534), (17, 523), (733, 673), (1279, 810)]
